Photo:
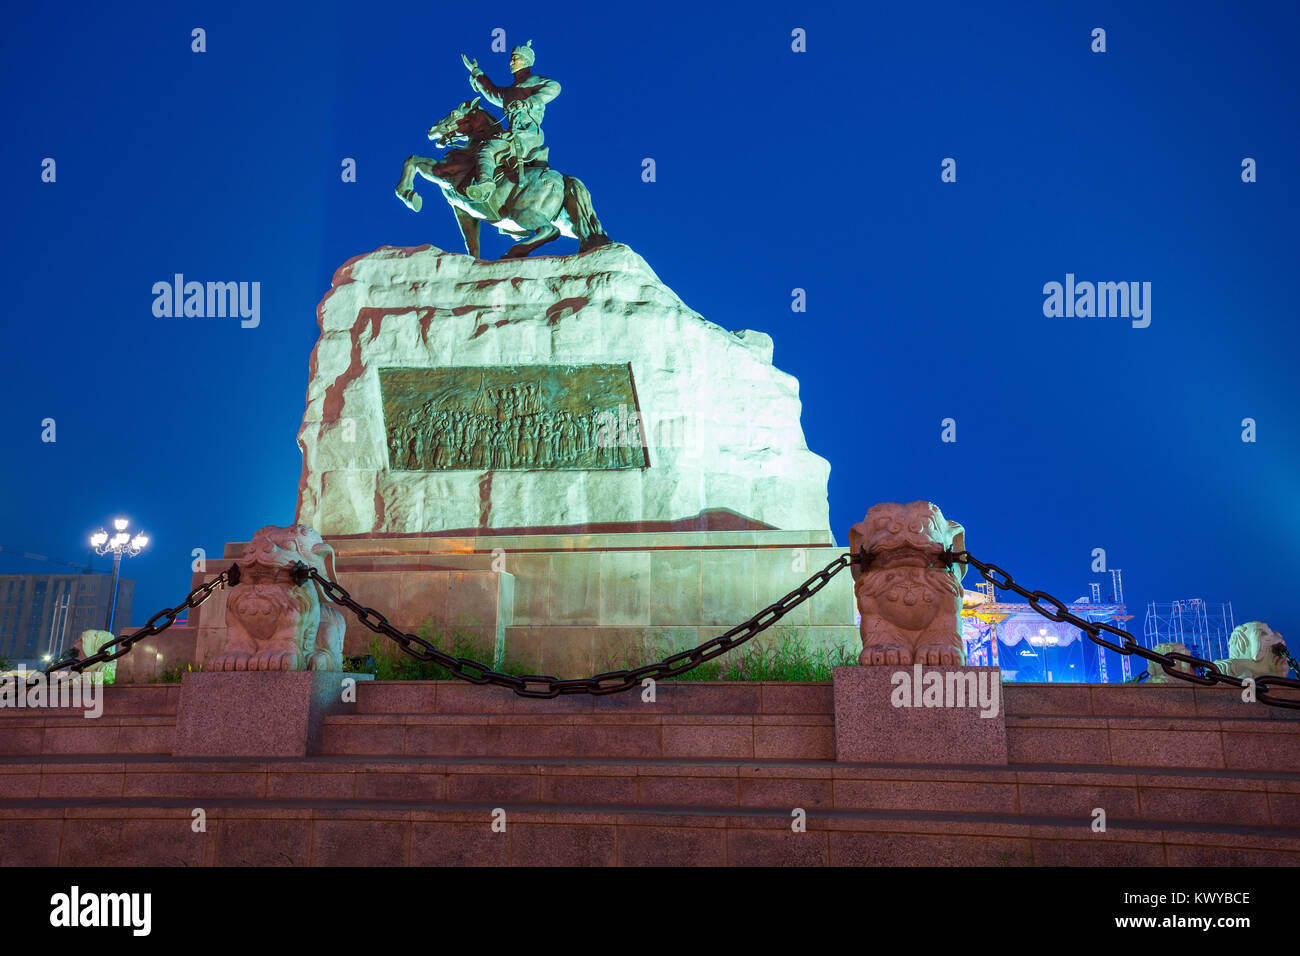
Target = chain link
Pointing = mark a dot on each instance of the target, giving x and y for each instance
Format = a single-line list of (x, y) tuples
[(1201, 671), (119, 646), (610, 682)]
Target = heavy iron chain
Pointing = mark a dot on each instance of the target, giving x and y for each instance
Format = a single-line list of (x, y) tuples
[(1202, 672), (613, 682), (155, 625), (610, 682)]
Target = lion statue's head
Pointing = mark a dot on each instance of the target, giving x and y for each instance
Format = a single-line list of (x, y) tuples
[(1255, 648), (902, 534), (1156, 674), (90, 643), (275, 547)]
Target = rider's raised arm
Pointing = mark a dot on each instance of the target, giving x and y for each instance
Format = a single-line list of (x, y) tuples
[(491, 92), (546, 92)]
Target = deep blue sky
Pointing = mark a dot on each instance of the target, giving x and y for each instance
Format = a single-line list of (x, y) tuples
[(776, 170)]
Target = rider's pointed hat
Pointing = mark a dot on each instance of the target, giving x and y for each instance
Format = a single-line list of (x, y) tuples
[(525, 51)]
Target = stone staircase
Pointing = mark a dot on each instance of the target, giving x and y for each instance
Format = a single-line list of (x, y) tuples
[(707, 774)]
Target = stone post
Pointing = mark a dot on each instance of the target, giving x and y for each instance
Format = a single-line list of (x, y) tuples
[(912, 699), (280, 672), (260, 713)]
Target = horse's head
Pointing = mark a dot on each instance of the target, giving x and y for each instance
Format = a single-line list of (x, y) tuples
[(466, 122)]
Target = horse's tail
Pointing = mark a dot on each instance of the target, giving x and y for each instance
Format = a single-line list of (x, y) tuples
[(577, 203)]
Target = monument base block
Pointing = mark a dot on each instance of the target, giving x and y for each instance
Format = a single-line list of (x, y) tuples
[(909, 714), (258, 713), (576, 603)]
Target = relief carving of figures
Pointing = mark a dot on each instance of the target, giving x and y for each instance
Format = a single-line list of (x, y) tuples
[(518, 424)]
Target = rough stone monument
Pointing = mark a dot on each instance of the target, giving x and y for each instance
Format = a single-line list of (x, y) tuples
[(552, 457), (558, 458), (451, 395)]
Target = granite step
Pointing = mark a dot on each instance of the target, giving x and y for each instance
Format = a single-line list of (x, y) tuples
[(1176, 742), (235, 834), (74, 734), (1147, 794), (616, 735), (325, 811)]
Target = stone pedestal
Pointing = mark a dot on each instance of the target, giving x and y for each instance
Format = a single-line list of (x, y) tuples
[(576, 604), (880, 718), (257, 714)]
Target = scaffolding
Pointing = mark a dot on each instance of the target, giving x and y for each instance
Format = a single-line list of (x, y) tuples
[(991, 625), (1203, 628), (985, 617)]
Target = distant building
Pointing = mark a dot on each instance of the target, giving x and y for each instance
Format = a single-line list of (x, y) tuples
[(1029, 647), (44, 613)]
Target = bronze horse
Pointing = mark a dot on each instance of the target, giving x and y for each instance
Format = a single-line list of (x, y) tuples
[(532, 203)]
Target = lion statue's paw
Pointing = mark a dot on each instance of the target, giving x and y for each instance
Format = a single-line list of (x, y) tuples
[(274, 659), (936, 655), (229, 661), (878, 654), (324, 661)]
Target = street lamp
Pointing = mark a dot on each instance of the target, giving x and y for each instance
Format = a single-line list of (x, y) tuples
[(1043, 641), (118, 544)]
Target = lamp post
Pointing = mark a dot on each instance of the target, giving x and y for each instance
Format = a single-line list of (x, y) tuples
[(117, 545), (1042, 640)]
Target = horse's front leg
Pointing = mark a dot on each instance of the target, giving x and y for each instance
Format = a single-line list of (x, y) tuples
[(405, 190)]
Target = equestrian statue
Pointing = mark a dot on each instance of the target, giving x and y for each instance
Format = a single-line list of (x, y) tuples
[(501, 174)]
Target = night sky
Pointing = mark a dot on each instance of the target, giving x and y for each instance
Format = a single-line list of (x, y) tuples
[(776, 170)]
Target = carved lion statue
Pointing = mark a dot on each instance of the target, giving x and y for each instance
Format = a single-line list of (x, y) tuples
[(1255, 650), (273, 624), (90, 643), (910, 603), (1156, 674)]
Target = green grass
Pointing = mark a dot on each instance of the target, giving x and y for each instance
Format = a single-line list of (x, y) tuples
[(786, 658), (392, 663), (173, 675), (789, 658)]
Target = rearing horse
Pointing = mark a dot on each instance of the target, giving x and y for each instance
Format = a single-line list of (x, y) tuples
[(532, 203)]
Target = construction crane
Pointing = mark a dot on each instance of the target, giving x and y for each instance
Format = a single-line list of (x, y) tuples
[(82, 568)]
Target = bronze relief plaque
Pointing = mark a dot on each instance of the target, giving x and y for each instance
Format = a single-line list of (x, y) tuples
[(511, 417)]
